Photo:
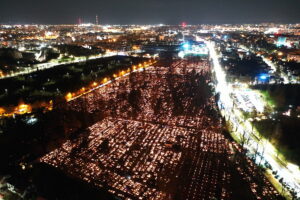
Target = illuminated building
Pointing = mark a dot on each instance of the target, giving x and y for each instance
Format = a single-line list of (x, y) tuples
[(294, 56)]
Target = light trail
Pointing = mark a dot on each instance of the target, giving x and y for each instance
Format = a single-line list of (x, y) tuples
[(290, 173)]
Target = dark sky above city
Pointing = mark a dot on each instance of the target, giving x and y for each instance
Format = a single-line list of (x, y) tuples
[(149, 11)]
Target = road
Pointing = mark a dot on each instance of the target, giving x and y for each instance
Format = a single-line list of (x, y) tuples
[(44, 66), (289, 172)]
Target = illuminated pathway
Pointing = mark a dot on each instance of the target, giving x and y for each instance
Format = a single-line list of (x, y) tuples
[(139, 68), (43, 66), (290, 173)]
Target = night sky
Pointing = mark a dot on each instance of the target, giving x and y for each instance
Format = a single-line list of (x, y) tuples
[(149, 11)]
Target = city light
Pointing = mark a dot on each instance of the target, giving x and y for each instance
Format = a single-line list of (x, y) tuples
[(151, 111), (289, 172), (186, 46), (23, 108), (263, 77)]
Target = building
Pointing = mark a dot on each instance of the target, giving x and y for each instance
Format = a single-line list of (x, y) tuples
[(294, 56)]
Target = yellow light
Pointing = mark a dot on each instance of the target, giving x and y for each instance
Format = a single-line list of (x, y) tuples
[(50, 106), (23, 108), (95, 84), (135, 47), (69, 96), (2, 111)]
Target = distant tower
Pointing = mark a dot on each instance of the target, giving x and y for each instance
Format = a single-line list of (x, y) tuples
[(79, 21), (97, 20)]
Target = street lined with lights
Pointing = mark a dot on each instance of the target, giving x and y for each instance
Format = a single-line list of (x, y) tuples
[(50, 64), (289, 172)]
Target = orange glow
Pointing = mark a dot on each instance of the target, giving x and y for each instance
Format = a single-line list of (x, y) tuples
[(136, 47), (23, 108), (69, 96), (2, 111), (50, 106), (122, 73), (105, 80)]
